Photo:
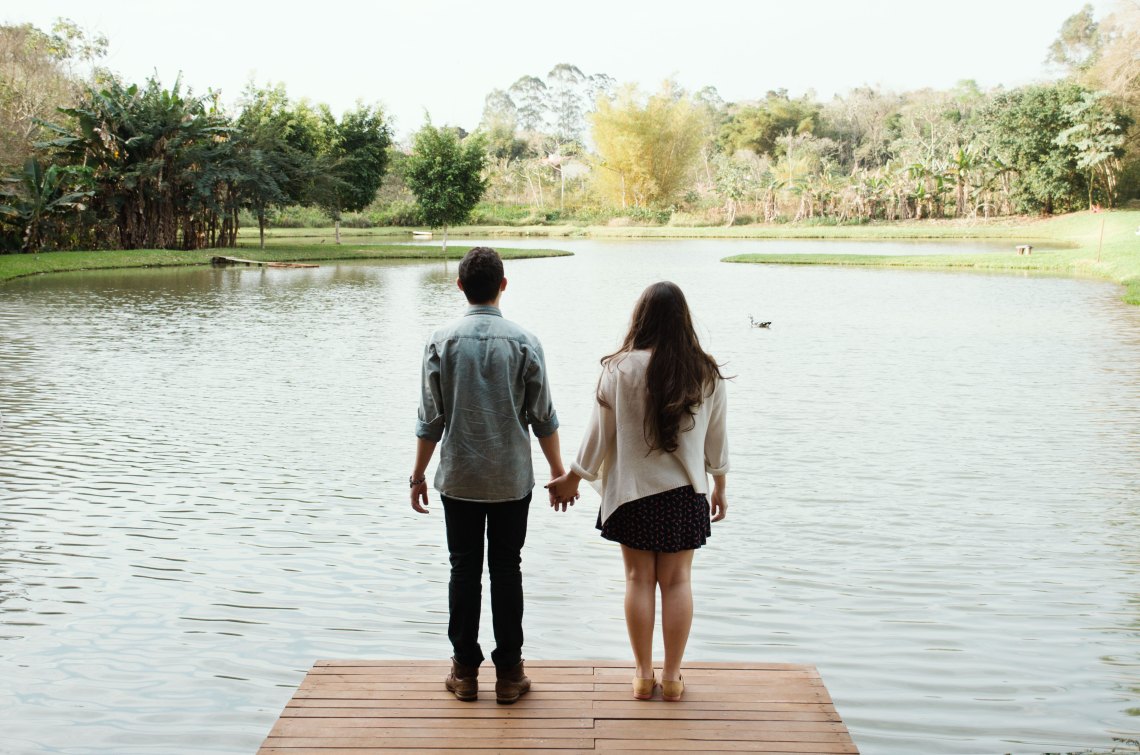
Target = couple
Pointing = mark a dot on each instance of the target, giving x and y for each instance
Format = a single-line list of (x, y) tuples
[(657, 431)]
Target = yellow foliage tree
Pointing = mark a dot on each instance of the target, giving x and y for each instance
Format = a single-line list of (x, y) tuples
[(647, 145), (1116, 69)]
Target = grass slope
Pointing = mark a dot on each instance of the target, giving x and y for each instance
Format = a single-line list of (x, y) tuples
[(1117, 259), (278, 250)]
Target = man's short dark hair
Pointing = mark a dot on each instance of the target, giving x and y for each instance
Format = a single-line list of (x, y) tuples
[(481, 273)]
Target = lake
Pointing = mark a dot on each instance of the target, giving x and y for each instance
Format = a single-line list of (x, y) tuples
[(935, 493)]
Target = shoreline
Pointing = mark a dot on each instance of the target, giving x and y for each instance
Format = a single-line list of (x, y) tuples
[(1084, 253), (1075, 238), (16, 266)]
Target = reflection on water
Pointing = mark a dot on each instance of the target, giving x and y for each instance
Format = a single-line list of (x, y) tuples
[(934, 496)]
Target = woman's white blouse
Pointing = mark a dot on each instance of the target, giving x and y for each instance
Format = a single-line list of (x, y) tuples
[(615, 455)]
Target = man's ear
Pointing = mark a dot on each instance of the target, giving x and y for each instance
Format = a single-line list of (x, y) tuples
[(503, 285), (459, 284)]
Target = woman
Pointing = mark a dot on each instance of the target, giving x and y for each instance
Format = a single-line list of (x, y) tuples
[(657, 431)]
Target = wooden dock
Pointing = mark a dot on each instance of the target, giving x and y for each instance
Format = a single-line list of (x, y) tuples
[(219, 261), (399, 706)]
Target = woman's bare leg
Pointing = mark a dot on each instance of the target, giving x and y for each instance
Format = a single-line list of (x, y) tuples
[(673, 574), (640, 605)]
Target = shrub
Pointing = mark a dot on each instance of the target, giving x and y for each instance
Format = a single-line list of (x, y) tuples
[(487, 213), (297, 216), (355, 220), (401, 214)]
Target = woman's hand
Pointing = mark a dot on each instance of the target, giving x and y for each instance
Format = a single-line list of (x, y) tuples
[(718, 502), (563, 490)]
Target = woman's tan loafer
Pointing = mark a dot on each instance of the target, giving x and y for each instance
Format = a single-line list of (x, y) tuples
[(643, 688), (672, 691)]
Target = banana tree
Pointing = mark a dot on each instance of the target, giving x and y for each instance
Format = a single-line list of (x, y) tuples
[(32, 200), (962, 165)]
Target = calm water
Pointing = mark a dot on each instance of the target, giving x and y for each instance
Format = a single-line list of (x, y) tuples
[(935, 495)]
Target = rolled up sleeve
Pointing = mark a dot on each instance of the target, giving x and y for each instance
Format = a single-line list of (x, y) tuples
[(601, 434), (716, 439), (431, 420), (539, 404)]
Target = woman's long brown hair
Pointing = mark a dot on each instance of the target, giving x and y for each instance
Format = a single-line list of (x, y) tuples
[(680, 374)]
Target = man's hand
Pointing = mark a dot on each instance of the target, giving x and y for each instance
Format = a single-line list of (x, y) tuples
[(563, 490), (420, 498), (424, 450)]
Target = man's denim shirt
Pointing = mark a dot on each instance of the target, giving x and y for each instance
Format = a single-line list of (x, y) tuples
[(484, 382)]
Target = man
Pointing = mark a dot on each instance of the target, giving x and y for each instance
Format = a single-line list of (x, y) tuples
[(484, 383)]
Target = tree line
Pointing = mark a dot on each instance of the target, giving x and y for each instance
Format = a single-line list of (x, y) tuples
[(868, 154), (104, 164), (92, 162)]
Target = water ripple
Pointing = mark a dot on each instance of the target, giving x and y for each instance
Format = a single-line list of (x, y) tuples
[(934, 496)]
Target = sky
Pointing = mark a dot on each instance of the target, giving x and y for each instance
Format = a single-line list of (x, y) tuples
[(441, 57)]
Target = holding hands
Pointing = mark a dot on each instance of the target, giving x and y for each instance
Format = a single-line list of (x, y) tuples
[(563, 490)]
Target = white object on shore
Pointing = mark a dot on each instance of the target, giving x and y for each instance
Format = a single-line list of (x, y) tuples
[(421, 234)]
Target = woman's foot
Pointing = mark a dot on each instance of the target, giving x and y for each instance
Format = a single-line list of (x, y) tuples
[(672, 691), (643, 688)]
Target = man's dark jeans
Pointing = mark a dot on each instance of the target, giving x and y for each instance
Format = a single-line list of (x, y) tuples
[(505, 526)]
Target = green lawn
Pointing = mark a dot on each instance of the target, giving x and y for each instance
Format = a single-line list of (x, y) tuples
[(1117, 259), (277, 250)]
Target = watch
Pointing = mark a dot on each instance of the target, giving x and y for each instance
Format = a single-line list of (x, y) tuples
[(413, 481)]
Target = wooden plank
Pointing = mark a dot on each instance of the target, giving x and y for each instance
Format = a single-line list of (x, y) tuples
[(416, 751), (219, 261), (737, 676), (534, 664), (661, 729), (621, 707), (440, 703), (379, 693), (361, 681), (721, 745), (467, 711), (307, 727), (464, 743), (354, 707)]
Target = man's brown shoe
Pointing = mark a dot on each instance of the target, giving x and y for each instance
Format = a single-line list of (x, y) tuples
[(510, 684), (463, 681)]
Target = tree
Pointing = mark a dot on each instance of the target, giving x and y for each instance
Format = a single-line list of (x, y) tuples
[(1097, 135), (162, 163), (1116, 71), (37, 76), (865, 122), (1022, 127), (37, 197), (733, 182), (445, 174), (564, 87), (647, 145), (599, 85), (349, 169), (273, 166), (1078, 43), (758, 127), (529, 95), (498, 126)]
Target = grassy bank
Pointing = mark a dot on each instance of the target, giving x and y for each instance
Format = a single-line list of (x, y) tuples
[(1005, 228), (1080, 233), (1117, 258), (278, 250)]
